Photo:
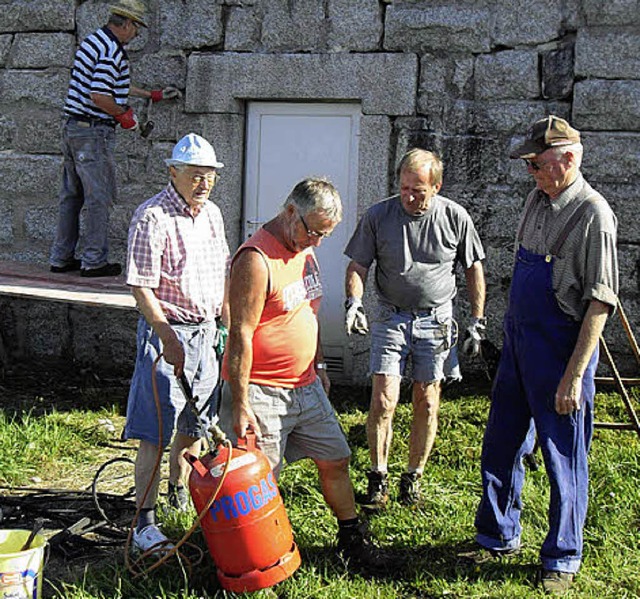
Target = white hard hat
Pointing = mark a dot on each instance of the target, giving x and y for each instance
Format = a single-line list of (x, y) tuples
[(195, 151)]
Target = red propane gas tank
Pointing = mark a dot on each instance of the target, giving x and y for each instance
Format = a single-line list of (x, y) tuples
[(247, 529)]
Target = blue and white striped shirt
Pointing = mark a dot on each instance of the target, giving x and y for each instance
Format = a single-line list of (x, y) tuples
[(101, 66)]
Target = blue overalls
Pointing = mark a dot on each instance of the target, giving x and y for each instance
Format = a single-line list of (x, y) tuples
[(539, 339)]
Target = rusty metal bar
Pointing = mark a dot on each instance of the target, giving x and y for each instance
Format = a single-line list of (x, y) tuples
[(625, 426), (609, 380), (635, 423), (629, 332)]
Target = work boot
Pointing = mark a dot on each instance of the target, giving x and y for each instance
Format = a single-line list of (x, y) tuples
[(481, 555), (178, 498), (555, 582), (409, 488), (377, 491), (356, 547)]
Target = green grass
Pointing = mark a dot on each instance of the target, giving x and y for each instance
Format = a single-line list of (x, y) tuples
[(53, 442), (423, 543)]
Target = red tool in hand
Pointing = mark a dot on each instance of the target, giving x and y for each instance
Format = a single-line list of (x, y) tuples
[(128, 120)]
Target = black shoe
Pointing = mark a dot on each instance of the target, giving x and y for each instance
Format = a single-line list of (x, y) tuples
[(377, 491), (68, 267), (409, 488), (108, 270), (356, 548)]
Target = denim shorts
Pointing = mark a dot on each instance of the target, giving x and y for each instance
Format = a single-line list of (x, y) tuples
[(201, 369), (295, 423), (428, 336)]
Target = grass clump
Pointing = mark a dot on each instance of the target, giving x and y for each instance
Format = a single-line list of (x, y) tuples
[(48, 444)]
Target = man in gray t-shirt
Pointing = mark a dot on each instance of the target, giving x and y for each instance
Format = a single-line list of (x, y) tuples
[(416, 239)]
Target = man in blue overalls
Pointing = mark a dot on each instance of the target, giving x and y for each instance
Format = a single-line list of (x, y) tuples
[(565, 284)]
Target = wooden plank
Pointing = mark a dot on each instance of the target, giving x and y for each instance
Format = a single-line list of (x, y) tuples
[(35, 281)]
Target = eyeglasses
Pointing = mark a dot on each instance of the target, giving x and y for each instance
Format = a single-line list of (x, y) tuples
[(210, 178), (534, 166), (311, 233)]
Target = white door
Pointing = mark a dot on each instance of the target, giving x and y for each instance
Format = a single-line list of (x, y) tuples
[(287, 142)]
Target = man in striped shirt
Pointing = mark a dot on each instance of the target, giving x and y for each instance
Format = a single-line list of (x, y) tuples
[(96, 102), (176, 267)]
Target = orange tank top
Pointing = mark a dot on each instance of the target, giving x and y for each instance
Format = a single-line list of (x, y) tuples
[(285, 340)]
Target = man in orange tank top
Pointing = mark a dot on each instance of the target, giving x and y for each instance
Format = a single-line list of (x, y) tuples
[(275, 378)]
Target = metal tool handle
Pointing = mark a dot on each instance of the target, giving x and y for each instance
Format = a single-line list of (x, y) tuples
[(37, 527), (185, 387)]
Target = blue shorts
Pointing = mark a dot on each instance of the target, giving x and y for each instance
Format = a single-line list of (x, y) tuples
[(201, 369), (429, 336), (295, 423)]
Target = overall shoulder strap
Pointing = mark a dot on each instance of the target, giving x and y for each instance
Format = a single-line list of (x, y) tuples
[(574, 219), (525, 218)]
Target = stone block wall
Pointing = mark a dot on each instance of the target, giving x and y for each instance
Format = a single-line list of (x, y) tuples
[(462, 77)]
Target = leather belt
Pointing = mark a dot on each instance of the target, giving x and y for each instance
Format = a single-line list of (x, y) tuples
[(85, 121)]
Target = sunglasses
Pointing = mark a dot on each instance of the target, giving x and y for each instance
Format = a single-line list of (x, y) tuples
[(534, 166), (311, 233)]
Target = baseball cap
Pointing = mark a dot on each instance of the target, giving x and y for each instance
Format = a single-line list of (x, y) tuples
[(549, 132), (130, 9), (195, 151)]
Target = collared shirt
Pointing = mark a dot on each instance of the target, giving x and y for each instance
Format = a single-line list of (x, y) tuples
[(181, 257), (586, 267)]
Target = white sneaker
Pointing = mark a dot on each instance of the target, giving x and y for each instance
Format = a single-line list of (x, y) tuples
[(150, 537)]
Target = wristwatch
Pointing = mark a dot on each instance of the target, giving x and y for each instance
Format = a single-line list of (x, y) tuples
[(321, 366)]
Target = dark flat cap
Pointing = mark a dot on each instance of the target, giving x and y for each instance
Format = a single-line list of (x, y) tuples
[(549, 132)]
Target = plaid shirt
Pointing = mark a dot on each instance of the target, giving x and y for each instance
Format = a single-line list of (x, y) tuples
[(181, 257)]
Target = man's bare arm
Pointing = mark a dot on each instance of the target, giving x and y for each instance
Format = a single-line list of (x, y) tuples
[(476, 288), (568, 396), (247, 295), (172, 349), (355, 279)]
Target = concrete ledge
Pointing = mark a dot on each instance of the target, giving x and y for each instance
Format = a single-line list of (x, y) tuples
[(384, 83)]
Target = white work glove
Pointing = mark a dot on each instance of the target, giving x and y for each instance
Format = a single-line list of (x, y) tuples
[(355, 319), (168, 93), (171, 92), (473, 336)]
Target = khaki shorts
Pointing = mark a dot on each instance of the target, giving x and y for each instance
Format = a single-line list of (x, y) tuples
[(295, 423)]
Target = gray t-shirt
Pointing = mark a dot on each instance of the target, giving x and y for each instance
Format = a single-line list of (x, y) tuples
[(415, 256)]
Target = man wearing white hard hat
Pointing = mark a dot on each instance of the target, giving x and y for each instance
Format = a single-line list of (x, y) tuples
[(96, 103), (176, 267)]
